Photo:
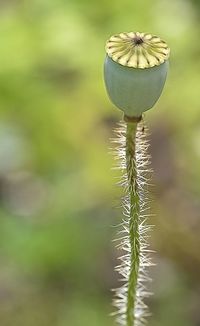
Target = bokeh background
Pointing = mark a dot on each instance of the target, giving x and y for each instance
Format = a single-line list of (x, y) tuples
[(57, 190)]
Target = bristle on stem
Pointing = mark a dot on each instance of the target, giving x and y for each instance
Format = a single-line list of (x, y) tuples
[(134, 162)]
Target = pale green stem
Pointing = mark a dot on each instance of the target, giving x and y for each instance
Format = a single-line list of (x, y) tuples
[(133, 220)]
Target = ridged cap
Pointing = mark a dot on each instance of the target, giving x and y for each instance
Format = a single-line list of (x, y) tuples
[(137, 50)]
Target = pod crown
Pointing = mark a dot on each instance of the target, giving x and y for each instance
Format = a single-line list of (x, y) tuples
[(137, 50)]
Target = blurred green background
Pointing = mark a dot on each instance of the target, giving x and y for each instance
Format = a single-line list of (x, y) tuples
[(57, 190)]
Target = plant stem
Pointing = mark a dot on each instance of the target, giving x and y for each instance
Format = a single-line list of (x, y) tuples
[(133, 221)]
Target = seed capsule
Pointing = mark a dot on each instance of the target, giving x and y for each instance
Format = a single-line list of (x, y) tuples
[(135, 71)]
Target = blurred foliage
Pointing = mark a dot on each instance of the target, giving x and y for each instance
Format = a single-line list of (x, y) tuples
[(57, 191)]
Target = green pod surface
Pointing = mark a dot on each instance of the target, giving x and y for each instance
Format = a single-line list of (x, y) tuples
[(135, 71)]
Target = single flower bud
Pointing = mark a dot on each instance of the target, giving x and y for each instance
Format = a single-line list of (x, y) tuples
[(135, 71)]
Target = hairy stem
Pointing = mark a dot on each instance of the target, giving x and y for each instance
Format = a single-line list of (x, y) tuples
[(134, 160), (133, 220)]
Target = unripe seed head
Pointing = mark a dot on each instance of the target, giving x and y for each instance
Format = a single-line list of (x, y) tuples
[(135, 71)]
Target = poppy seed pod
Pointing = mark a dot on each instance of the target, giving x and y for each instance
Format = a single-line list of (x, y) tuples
[(135, 71)]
